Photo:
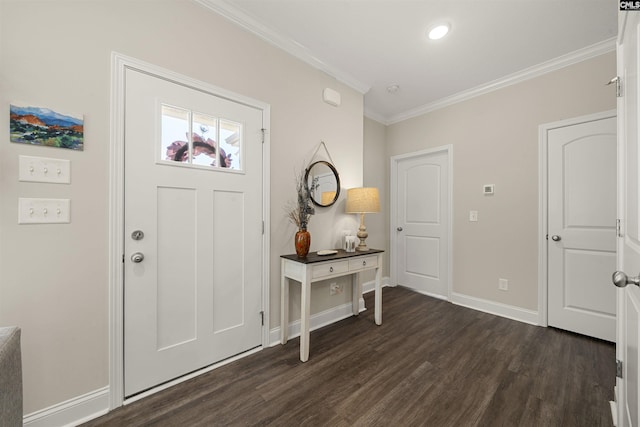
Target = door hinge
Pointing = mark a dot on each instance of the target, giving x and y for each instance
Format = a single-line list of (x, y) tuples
[(263, 132), (263, 227), (123, 258), (618, 368), (262, 317), (618, 228), (618, 82)]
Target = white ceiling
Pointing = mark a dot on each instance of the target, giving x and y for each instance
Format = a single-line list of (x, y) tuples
[(372, 44)]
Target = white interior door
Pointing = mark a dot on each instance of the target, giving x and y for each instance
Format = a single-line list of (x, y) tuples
[(193, 210), (582, 227), (421, 204), (628, 320)]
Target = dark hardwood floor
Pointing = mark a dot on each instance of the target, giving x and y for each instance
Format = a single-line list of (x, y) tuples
[(431, 363)]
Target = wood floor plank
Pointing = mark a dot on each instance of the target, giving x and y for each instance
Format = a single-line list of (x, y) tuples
[(431, 363)]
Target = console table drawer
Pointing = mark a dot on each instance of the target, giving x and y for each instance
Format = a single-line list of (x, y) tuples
[(360, 262), (329, 269)]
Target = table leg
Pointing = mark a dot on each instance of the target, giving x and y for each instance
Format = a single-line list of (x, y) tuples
[(378, 297), (284, 305), (357, 293), (305, 307)]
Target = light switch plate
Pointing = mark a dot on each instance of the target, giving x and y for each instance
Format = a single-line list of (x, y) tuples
[(44, 211), (473, 216), (42, 169)]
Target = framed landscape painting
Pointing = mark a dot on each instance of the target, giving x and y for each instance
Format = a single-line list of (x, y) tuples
[(42, 126)]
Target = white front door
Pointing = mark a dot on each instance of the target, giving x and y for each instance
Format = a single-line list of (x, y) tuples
[(582, 227), (420, 215), (193, 230), (628, 319)]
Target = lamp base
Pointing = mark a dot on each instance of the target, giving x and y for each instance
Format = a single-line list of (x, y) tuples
[(362, 235)]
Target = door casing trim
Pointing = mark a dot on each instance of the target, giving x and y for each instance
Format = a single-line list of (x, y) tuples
[(543, 207), (393, 211), (119, 64)]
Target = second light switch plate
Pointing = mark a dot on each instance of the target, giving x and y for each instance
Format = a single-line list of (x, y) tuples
[(44, 211)]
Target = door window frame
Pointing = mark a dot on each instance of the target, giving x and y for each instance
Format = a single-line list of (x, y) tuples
[(119, 64)]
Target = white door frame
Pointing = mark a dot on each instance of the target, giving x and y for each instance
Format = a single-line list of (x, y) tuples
[(119, 64), (393, 211), (543, 132)]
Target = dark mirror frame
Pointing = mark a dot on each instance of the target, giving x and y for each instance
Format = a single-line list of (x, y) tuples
[(335, 174)]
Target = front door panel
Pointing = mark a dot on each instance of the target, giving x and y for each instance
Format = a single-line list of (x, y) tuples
[(193, 186)]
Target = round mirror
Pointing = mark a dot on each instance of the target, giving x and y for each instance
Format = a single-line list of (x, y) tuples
[(323, 182)]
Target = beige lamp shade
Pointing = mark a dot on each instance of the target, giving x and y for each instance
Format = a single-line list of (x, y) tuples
[(363, 200)]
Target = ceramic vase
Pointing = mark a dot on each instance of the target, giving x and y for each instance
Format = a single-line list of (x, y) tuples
[(302, 241)]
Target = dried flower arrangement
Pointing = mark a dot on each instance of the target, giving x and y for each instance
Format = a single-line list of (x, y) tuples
[(300, 212)]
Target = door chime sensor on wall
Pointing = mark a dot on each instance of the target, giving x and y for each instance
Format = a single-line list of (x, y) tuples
[(331, 97), (487, 189)]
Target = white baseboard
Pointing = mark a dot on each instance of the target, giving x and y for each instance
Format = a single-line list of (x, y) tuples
[(71, 412), (326, 317), (316, 321), (614, 412), (496, 308), (370, 286)]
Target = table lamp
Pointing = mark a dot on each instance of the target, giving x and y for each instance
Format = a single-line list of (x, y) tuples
[(362, 200)]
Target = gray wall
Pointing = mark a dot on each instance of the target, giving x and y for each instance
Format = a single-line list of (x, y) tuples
[(376, 174), (54, 278), (495, 141)]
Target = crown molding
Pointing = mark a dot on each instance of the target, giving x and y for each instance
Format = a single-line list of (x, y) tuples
[(560, 62), (240, 18), (234, 14), (370, 114)]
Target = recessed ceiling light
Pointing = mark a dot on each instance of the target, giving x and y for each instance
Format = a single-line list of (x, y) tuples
[(393, 88), (439, 31)]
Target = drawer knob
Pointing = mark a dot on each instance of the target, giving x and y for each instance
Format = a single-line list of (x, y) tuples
[(330, 269), (364, 262)]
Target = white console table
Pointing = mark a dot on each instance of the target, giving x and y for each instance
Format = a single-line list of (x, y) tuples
[(315, 268)]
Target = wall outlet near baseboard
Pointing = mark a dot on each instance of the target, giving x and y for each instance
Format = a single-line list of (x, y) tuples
[(335, 289), (503, 284)]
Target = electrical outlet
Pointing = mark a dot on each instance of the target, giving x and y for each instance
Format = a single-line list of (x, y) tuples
[(335, 289), (503, 284)]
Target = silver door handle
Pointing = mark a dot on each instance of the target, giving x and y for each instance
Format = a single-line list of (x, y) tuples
[(137, 257), (621, 280), (399, 228), (556, 238)]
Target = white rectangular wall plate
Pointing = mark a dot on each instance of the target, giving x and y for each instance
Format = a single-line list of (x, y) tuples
[(473, 216), (488, 189), (42, 169), (44, 211), (331, 97)]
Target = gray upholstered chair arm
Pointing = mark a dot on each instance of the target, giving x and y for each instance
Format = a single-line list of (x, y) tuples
[(10, 377)]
